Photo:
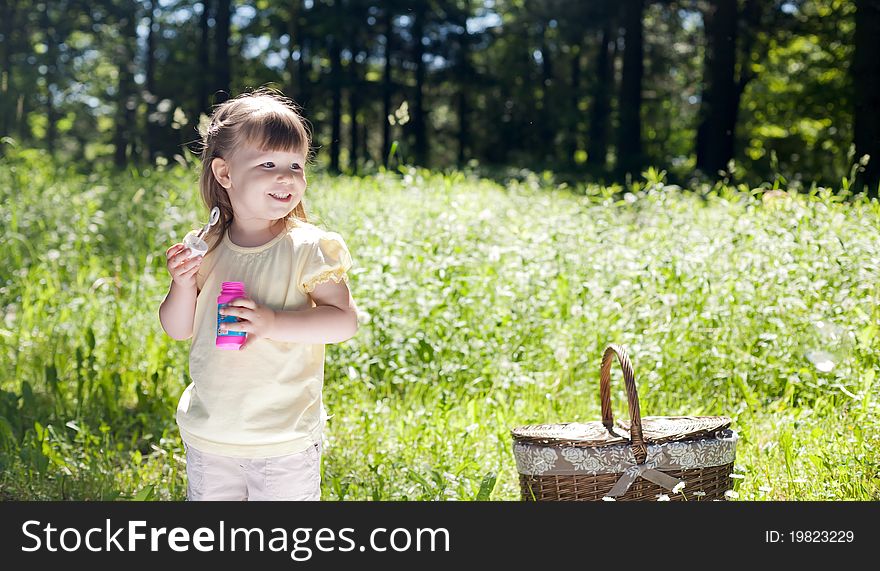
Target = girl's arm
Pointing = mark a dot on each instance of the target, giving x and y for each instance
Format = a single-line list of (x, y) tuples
[(334, 320), (178, 310)]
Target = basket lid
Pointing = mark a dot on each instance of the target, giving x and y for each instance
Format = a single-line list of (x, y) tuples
[(637, 433), (655, 430)]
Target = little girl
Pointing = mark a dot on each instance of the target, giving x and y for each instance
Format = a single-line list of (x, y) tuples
[(252, 419)]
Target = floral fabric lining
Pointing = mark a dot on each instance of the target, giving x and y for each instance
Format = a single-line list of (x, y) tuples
[(536, 460)]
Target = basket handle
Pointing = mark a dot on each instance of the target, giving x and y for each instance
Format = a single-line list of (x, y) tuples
[(640, 450)]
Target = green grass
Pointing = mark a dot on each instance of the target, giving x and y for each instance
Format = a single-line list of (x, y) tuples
[(484, 307)]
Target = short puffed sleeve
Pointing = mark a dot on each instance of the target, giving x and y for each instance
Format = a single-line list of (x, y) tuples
[(327, 259)]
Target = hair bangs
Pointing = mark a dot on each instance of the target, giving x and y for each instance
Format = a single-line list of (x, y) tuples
[(275, 130)]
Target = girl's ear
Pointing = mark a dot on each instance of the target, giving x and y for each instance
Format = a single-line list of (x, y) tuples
[(220, 168)]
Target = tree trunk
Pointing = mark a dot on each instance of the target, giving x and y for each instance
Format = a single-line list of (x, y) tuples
[(205, 81), (365, 151), (293, 34), (574, 114), (353, 106), (866, 91), (418, 116), (221, 52), (597, 148), (463, 131), (719, 106), (22, 110), (547, 148), (629, 144), (336, 119), (151, 134), (303, 70), (353, 103), (386, 84), (521, 119), (705, 98), (8, 15), (465, 77), (125, 104), (51, 35)]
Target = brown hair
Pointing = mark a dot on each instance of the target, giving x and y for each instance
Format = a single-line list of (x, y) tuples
[(263, 117)]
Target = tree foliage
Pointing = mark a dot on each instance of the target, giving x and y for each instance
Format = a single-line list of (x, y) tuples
[(524, 83)]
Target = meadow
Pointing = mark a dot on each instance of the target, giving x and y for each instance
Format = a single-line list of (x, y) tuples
[(483, 306)]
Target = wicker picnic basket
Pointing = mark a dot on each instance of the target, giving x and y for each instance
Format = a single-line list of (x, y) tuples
[(679, 457)]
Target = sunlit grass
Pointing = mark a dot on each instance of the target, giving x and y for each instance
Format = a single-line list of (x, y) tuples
[(483, 307)]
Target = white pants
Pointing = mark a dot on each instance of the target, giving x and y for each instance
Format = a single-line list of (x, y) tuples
[(291, 477)]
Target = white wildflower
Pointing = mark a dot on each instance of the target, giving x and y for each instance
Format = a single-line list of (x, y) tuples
[(562, 353)]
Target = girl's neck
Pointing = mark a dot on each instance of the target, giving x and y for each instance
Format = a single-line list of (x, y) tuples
[(253, 236)]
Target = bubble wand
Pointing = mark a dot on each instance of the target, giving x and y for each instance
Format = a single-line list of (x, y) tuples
[(195, 243)]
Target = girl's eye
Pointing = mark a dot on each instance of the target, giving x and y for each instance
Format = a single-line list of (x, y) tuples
[(269, 165)]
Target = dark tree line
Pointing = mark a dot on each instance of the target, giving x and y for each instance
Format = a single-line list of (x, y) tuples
[(602, 88)]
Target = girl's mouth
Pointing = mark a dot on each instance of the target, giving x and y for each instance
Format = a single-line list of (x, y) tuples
[(281, 197)]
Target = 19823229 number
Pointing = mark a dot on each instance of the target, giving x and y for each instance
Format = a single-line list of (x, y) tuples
[(821, 536)]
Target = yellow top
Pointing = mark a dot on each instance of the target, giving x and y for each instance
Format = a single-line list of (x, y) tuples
[(264, 400)]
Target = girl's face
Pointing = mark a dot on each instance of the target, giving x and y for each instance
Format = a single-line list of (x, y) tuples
[(262, 185)]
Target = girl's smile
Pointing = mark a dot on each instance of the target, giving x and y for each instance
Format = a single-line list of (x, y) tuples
[(281, 196)]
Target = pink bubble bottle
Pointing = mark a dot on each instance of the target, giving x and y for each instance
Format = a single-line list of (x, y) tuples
[(231, 339)]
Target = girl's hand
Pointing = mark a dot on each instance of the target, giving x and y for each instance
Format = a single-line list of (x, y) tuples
[(182, 269), (258, 319)]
